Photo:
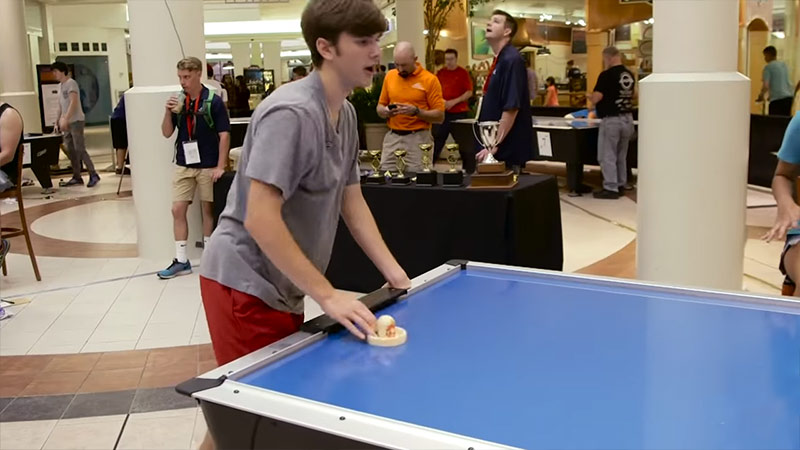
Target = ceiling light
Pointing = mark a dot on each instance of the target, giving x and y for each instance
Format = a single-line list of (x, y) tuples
[(779, 34), (294, 53), (252, 27), (218, 56)]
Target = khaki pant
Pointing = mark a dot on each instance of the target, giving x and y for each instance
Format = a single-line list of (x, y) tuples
[(410, 143), (186, 180)]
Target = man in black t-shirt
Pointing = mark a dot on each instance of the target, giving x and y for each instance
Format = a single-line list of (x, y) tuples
[(613, 98)]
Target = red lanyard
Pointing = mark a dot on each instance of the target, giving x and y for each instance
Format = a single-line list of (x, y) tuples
[(190, 116), (489, 76)]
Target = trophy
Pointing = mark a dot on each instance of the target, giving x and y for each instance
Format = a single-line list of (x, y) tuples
[(376, 177), (428, 176), (487, 136), (452, 177), (401, 177), (491, 173)]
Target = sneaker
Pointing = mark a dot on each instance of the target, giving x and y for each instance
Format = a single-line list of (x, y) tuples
[(627, 187), (71, 182), (125, 171), (606, 194), (93, 180), (48, 191), (5, 246), (175, 269)]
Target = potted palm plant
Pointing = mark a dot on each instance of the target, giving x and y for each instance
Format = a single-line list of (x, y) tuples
[(366, 101)]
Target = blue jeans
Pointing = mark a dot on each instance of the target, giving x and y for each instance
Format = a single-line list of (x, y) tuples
[(612, 150)]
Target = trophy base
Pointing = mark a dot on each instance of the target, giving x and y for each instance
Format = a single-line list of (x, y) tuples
[(493, 167), (427, 178), (403, 181), (376, 178), (453, 178), (493, 180)]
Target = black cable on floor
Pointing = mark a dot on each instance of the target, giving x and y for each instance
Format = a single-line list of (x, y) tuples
[(119, 437)]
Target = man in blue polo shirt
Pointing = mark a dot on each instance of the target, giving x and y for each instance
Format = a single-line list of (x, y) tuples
[(506, 98), (787, 223), (201, 151)]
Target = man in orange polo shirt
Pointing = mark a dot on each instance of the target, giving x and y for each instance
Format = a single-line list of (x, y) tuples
[(412, 100), (456, 90)]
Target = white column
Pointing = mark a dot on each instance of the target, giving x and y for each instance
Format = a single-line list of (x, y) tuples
[(693, 148), (411, 24), (241, 56), (47, 47), (155, 51), (272, 59), (16, 75)]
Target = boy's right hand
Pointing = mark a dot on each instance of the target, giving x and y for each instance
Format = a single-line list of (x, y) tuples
[(351, 313), (172, 102), (788, 218)]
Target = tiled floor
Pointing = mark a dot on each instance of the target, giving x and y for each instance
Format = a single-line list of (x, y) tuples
[(171, 429), (102, 337)]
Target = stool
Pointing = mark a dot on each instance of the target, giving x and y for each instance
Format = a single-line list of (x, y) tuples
[(8, 232)]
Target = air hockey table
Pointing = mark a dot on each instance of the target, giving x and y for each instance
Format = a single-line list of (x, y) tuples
[(503, 357)]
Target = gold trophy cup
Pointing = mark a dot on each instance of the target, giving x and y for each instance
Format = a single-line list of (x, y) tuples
[(453, 177), (376, 177), (401, 177), (428, 176)]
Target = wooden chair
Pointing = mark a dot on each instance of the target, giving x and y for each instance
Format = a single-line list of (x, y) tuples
[(7, 232)]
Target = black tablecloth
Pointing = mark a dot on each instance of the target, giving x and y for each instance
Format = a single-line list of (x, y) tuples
[(425, 227), (766, 137)]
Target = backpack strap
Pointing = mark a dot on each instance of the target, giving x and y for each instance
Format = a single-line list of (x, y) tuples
[(207, 116)]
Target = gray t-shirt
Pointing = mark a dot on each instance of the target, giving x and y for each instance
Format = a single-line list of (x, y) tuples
[(290, 144), (64, 89)]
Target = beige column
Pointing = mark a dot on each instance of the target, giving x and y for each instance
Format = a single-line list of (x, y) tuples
[(272, 59), (596, 41), (693, 149), (411, 24), (16, 74), (241, 56), (155, 50)]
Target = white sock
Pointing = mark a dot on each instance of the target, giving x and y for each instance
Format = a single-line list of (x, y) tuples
[(180, 251), (205, 241)]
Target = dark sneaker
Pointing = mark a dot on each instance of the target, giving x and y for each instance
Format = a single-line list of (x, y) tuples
[(71, 182), (606, 194), (125, 171), (175, 269), (93, 180)]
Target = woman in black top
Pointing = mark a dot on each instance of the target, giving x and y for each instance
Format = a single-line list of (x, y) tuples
[(10, 139)]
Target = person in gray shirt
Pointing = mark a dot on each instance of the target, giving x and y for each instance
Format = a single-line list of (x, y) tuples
[(71, 122), (297, 174)]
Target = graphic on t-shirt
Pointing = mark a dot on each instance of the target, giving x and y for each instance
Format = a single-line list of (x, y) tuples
[(626, 83)]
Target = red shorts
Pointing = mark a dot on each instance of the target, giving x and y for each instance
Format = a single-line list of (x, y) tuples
[(240, 323)]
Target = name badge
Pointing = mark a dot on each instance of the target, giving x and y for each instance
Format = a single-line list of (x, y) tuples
[(191, 153)]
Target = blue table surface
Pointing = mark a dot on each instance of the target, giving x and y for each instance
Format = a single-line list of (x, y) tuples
[(533, 362)]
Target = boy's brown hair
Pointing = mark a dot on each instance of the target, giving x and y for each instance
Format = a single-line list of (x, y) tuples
[(190, 63), (328, 19)]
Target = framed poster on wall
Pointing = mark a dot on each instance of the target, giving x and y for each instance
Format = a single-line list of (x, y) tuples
[(480, 46)]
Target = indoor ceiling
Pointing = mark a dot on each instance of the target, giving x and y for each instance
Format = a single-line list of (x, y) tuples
[(559, 9)]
